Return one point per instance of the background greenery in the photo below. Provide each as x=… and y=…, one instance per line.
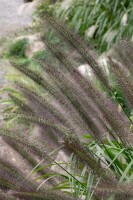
x=100, y=22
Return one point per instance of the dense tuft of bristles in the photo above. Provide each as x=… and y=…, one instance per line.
x=66, y=105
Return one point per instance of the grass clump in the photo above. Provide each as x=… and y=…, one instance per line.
x=75, y=117
x=17, y=48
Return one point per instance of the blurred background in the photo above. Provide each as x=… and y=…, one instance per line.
x=101, y=23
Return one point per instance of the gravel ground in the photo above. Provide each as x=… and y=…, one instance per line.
x=10, y=19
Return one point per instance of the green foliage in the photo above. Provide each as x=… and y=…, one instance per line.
x=75, y=181
x=17, y=48
x=40, y=55
x=115, y=157
x=44, y=6
x=102, y=23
